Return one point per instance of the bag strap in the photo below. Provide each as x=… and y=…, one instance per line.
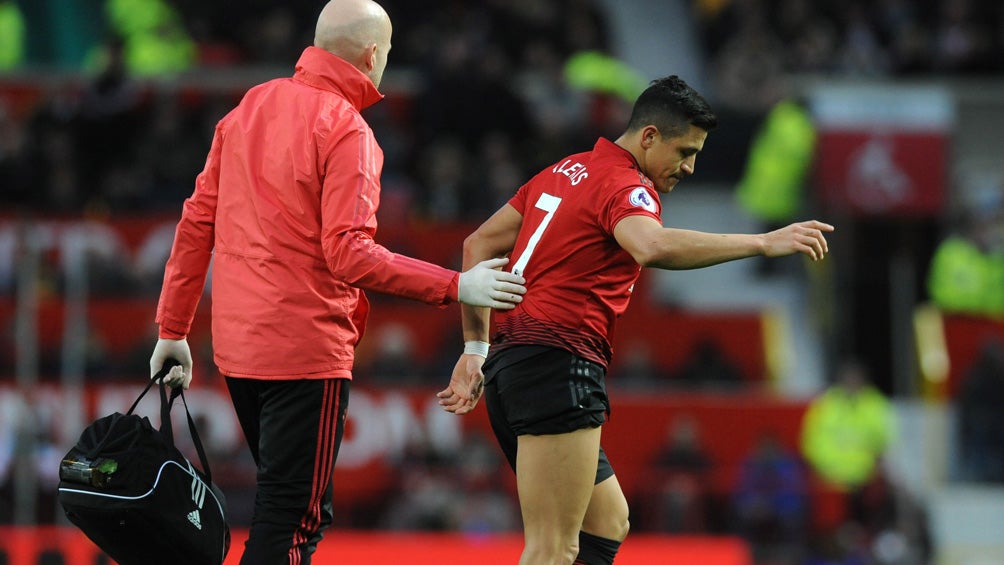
x=196, y=440
x=167, y=427
x=145, y=390
x=93, y=452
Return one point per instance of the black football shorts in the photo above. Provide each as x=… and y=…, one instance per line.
x=540, y=390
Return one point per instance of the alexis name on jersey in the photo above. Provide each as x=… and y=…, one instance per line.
x=576, y=172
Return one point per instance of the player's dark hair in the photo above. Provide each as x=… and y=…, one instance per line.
x=671, y=105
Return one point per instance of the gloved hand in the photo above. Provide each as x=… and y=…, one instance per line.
x=177, y=349
x=485, y=285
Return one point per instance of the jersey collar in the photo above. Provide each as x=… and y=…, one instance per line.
x=618, y=156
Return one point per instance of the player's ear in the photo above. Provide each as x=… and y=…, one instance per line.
x=649, y=135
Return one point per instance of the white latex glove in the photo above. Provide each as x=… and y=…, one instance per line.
x=178, y=350
x=485, y=285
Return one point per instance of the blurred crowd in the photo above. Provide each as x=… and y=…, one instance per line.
x=481, y=101
x=475, y=109
x=752, y=44
x=478, y=100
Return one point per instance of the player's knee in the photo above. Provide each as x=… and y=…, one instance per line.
x=613, y=524
x=617, y=528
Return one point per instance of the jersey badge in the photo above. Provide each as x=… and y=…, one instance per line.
x=640, y=198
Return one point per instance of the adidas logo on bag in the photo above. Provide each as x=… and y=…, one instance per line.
x=195, y=519
x=198, y=497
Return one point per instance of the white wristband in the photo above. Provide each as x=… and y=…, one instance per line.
x=476, y=348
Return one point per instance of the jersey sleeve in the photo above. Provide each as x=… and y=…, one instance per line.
x=518, y=201
x=630, y=200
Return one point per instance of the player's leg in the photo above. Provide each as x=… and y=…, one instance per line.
x=293, y=498
x=546, y=406
x=554, y=478
x=605, y=525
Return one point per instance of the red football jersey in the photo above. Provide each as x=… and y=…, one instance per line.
x=578, y=279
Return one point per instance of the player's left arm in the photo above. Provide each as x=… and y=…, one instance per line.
x=494, y=238
x=653, y=245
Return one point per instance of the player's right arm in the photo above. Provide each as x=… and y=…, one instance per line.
x=494, y=238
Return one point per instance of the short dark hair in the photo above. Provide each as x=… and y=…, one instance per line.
x=671, y=105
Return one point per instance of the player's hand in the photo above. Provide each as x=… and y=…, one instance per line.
x=485, y=284
x=466, y=385
x=177, y=349
x=801, y=237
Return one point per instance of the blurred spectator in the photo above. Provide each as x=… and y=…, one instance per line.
x=154, y=39
x=12, y=35
x=966, y=273
x=980, y=413
x=15, y=173
x=168, y=154
x=107, y=127
x=770, y=502
x=273, y=36
x=707, y=366
x=444, y=175
x=594, y=71
x=638, y=368
x=502, y=173
x=962, y=38
x=678, y=496
x=485, y=507
x=894, y=525
x=847, y=429
x=862, y=52
x=454, y=491
x=772, y=188
x=392, y=358
x=845, y=546
x=54, y=184
x=747, y=67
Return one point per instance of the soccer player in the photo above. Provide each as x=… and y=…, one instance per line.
x=286, y=207
x=579, y=232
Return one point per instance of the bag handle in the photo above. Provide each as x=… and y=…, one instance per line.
x=167, y=427
x=196, y=440
x=108, y=435
x=153, y=379
x=159, y=377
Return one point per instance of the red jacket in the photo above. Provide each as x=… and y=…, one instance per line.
x=286, y=207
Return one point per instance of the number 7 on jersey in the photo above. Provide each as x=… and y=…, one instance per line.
x=549, y=204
